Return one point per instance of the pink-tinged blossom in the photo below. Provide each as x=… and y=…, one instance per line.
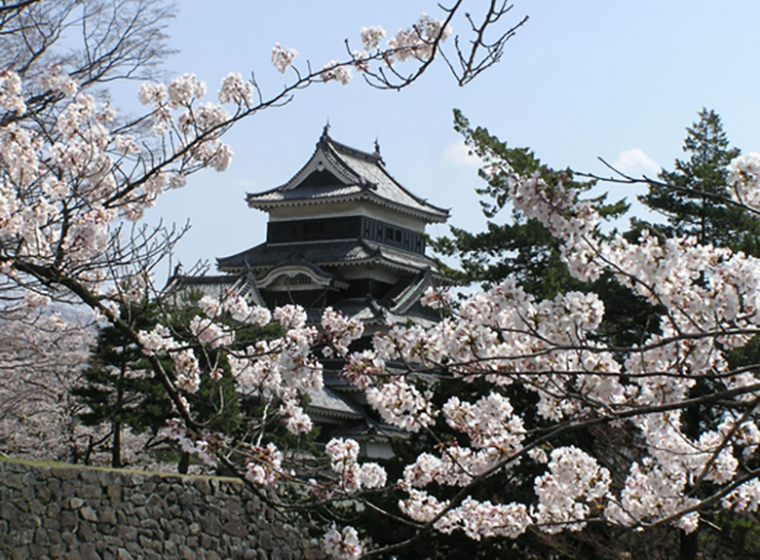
x=436, y=298
x=58, y=82
x=126, y=144
x=10, y=92
x=744, y=179
x=372, y=475
x=259, y=315
x=342, y=545
x=211, y=334
x=401, y=405
x=485, y=519
x=283, y=57
x=35, y=300
x=566, y=493
x=297, y=422
x=203, y=119
x=185, y=89
x=343, y=456
x=489, y=422
x=745, y=498
x=202, y=448
x=290, y=316
x=221, y=158
x=342, y=453
x=335, y=70
x=236, y=90
x=363, y=369
x=371, y=37
x=339, y=331
x=157, y=341
x=151, y=94
x=421, y=506
x=210, y=306
x=264, y=465
x=417, y=41
x=187, y=371
x=651, y=492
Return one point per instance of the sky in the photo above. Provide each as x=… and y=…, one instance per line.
x=581, y=80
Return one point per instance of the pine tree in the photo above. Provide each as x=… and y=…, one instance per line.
x=116, y=389
x=694, y=197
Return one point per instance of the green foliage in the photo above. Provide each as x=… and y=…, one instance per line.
x=525, y=250
x=118, y=389
x=522, y=248
x=694, y=197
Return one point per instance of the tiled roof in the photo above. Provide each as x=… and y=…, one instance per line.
x=217, y=286
x=326, y=253
x=351, y=174
x=327, y=402
x=366, y=428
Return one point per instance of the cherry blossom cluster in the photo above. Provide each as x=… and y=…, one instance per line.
x=342, y=544
x=744, y=178
x=264, y=465
x=196, y=126
x=337, y=71
x=507, y=336
x=418, y=42
x=339, y=332
x=354, y=477
x=203, y=448
x=283, y=57
x=11, y=96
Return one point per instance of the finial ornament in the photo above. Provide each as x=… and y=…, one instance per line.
x=377, y=147
x=326, y=130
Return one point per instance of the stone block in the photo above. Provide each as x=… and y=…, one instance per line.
x=68, y=520
x=86, y=532
x=211, y=525
x=76, y=503
x=20, y=553
x=88, y=514
x=63, y=473
x=265, y=540
x=108, y=516
x=113, y=491
x=9, y=511
x=236, y=528
x=126, y=533
x=87, y=552
x=138, y=499
x=208, y=542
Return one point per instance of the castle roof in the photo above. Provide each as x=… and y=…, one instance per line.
x=339, y=173
x=327, y=253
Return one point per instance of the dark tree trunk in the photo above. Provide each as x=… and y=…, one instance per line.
x=688, y=546
x=184, y=463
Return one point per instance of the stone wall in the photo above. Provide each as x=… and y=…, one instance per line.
x=103, y=514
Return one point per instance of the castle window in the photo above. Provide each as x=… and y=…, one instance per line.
x=298, y=280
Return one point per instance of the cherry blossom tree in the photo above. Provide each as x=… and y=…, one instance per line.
x=41, y=360
x=74, y=176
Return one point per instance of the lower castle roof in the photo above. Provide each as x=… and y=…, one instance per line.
x=327, y=253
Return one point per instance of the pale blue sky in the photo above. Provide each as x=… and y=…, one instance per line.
x=582, y=79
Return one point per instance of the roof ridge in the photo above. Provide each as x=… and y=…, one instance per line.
x=340, y=146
